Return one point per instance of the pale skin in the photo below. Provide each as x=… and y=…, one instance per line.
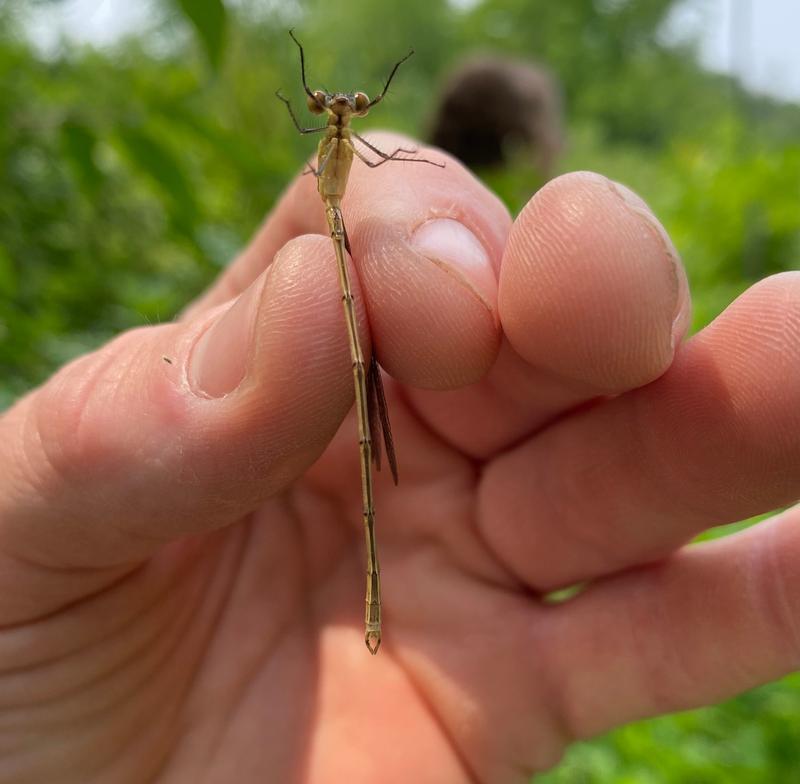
x=181, y=545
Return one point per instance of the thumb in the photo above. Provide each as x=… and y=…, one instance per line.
x=180, y=428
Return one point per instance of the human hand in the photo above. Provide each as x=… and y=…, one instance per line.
x=181, y=557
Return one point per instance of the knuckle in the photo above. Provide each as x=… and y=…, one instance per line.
x=75, y=417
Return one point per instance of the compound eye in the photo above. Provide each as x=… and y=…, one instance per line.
x=362, y=103
x=316, y=105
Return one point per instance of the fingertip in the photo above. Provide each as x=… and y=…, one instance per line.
x=298, y=372
x=428, y=242
x=432, y=303
x=591, y=287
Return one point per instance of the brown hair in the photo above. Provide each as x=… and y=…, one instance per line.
x=490, y=105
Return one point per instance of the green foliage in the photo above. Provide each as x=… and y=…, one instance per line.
x=749, y=740
x=209, y=19
x=129, y=177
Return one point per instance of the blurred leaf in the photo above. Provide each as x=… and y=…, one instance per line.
x=79, y=142
x=209, y=19
x=161, y=167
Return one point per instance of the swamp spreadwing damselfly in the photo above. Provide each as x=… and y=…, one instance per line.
x=334, y=159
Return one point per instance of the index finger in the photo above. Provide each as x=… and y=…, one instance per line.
x=427, y=243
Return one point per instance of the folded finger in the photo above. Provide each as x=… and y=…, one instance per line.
x=630, y=479
x=710, y=622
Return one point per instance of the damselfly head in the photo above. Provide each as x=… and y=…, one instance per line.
x=340, y=104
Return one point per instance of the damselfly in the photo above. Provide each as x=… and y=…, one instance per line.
x=334, y=159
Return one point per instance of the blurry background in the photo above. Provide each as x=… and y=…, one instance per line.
x=141, y=144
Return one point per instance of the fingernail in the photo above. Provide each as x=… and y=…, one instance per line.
x=453, y=247
x=218, y=362
x=682, y=310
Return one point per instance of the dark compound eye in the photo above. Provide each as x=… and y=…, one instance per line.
x=361, y=103
x=316, y=105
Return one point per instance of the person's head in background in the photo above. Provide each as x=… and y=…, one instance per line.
x=491, y=110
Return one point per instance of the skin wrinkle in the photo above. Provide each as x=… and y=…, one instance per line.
x=497, y=575
x=470, y=774
x=499, y=389
x=395, y=676
x=657, y=456
x=769, y=586
x=160, y=609
x=113, y=754
x=216, y=762
x=486, y=511
x=180, y=637
x=111, y=605
x=29, y=455
x=303, y=541
x=397, y=395
x=492, y=572
x=645, y=450
x=133, y=657
x=492, y=576
x=245, y=677
x=20, y=626
x=589, y=539
x=697, y=668
x=185, y=624
x=535, y=639
x=462, y=723
x=214, y=621
x=448, y=731
x=555, y=693
x=739, y=399
x=37, y=425
x=672, y=664
x=62, y=465
x=340, y=509
x=574, y=711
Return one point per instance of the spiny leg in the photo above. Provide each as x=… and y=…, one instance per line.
x=371, y=164
x=393, y=157
x=318, y=172
x=378, y=151
x=297, y=125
